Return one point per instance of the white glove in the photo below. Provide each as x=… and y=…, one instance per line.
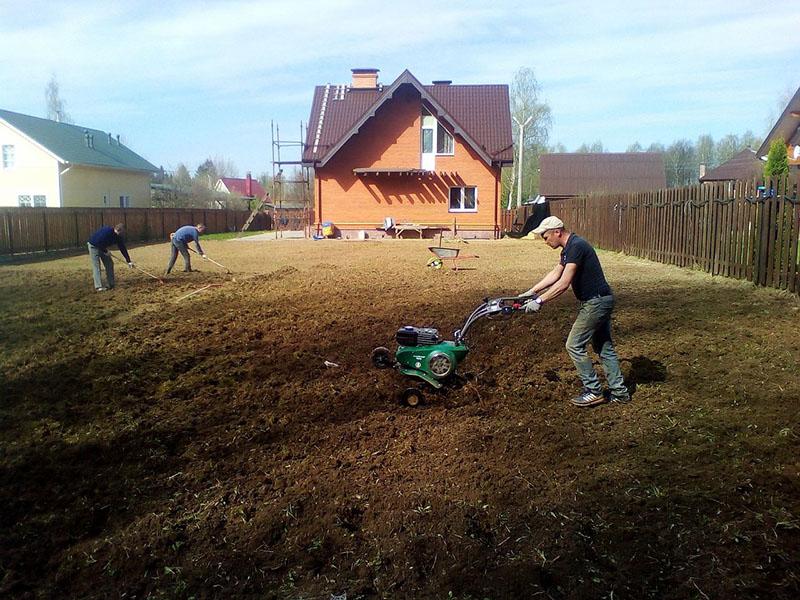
x=130, y=265
x=533, y=306
x=204, y=256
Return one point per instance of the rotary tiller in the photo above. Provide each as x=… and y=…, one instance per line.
x=421, y=353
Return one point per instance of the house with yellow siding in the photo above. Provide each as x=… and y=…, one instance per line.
x=50, y=164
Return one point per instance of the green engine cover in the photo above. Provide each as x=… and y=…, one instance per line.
x=432, y=364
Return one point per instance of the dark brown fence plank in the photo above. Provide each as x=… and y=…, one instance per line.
x=725, y=228
x=24, y=230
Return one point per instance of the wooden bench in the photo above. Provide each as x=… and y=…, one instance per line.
x=401, y=228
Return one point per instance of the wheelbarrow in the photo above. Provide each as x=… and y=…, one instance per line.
x=441, y=254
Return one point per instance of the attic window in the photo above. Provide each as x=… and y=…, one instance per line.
x=434, y=135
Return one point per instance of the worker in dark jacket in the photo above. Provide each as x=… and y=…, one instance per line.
x=98, y=245
x=180, y=243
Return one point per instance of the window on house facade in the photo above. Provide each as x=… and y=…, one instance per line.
x=427, y=140
x=463, y=199
x=8, y=156
x=24, y=200
x=444, y=141
x=124, y=201
x=40, y=201
x=434, y=135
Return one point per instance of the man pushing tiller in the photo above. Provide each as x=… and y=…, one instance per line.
x=580, y=268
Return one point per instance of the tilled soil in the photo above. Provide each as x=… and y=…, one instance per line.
x=159, y=445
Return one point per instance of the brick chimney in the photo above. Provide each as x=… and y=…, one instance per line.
x=248, y=186
x=366, y=79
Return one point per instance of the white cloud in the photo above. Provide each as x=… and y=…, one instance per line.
x=179, y=76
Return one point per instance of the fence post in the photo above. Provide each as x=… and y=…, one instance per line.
x=10, y=230
x=44, y=227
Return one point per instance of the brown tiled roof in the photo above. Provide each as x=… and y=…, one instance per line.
x=744, y=165
x=479, y=113
x=787, y=126
x=564, y=175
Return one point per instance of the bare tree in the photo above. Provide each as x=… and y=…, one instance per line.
x=225, y=167
x=527, y=107
x=706, y=151
x=594, y=147
x=681, y=164
x=55, y=105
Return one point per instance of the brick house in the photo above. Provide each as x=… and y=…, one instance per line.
x=428, y=156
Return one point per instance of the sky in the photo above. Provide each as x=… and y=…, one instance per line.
x=183, y=80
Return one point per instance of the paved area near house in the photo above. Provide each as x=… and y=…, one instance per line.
x=272, y=236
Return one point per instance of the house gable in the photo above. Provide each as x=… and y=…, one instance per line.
x=787, y=128
x=61, y=165
x=478, y=113
x=73, y=144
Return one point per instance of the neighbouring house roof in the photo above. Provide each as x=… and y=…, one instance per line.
x=478, y=113
x=787, y=127
x=563, y=175
x=744, y=165
x=234, y=185
x=68, y=143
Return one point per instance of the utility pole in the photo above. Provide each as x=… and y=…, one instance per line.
x=519, y=166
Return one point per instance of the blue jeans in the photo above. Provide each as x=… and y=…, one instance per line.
x=183, y=248
x=96, y=255
x=593, y=324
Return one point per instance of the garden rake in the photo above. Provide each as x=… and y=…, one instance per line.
x=227, y=270
x=135, y=266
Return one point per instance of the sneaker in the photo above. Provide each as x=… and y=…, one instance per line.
x=621, y=398
x=101, y=289
x=587, y=399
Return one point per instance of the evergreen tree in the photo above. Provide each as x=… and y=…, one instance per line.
x=777, y=160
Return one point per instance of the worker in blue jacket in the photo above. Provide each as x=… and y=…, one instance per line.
x=180, y=243
x=98, y=245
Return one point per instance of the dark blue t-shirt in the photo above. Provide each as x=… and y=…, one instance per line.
x=589, y=281
x=105, y=237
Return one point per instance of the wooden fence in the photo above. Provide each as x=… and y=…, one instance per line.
x=24, y=230
x=742, y=229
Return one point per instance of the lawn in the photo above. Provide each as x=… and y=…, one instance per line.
x=159, y=443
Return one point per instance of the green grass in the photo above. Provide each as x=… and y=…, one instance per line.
x=231, y=235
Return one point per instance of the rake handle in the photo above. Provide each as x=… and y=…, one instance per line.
x=138, y=268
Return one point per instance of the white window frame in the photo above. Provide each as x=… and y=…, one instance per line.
x=440, y=127
x=39, y=201
x=8, y=152
x=461, y=208
x=25, y=200
x=435, y=136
